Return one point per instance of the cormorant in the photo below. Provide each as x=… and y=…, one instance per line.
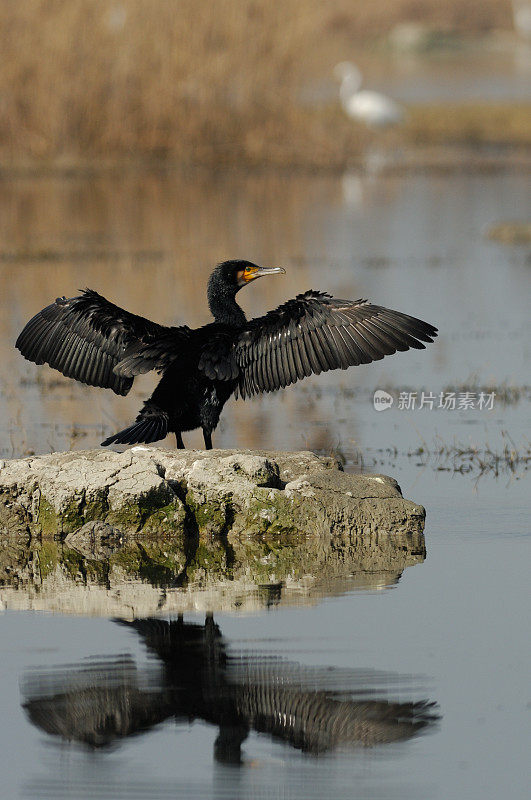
x=93, y=341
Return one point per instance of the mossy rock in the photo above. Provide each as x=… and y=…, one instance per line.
x=222, y=495
x=210, y=516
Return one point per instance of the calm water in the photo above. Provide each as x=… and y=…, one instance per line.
x=451, y=633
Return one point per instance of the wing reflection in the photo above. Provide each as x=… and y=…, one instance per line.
x=94, y=703
x=312, y=709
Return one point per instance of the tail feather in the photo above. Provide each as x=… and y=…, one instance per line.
x=151, y=426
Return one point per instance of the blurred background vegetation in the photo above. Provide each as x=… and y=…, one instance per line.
x=221, y=81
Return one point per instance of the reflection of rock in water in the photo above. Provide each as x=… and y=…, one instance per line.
x=351, y=531
x=144, y=579
x=313, y=709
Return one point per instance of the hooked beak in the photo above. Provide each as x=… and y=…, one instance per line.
x=259, y=272
x=252, y=272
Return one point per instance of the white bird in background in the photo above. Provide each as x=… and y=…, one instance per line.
x=522, y=18
x=373, y=108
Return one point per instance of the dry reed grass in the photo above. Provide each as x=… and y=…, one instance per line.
x=207, y=82
x=476, y=460
x=470, y=124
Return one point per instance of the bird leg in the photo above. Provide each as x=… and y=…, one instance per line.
x=180, y=443
x=207, y=436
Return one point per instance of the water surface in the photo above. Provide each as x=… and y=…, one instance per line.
x=450, y=632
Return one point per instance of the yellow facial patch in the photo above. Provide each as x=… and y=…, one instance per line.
x=249, y=273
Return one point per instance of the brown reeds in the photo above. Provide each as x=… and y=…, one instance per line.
x=470, y=124
x=209, y=81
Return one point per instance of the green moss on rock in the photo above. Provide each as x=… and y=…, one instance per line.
x=127, y=517
x=96, y=507
x=48, y=558
x=69, y=519
x=47, y=519
x=210, y=516
x=72, y=517
x=167, y=519
x=272, y=515
x=150, y=514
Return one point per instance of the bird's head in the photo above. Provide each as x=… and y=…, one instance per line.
x=227, y=279
x=347, y=73
x=233, y=275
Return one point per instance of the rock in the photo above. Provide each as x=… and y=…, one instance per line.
x=112, y=533
x=156, y=492
x=57, y=493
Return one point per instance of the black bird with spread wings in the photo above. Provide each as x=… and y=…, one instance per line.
x=93, y=341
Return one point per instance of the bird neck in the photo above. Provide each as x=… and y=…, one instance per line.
x=351, y=84
x=223, y=305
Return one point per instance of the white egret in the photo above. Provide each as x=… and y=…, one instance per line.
x=373, y=108
x=522, y=18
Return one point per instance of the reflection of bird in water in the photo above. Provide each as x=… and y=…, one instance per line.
x=201, y=680
x=90, y=339
x=373, y=108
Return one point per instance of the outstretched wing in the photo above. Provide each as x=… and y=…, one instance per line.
x=315, y=333
x=85, y=338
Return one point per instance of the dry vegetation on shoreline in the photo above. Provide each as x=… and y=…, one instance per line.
x=208, y=83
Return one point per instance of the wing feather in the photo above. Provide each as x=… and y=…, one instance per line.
x=292, y=370
x=297, y=357
x=86, y=337
x=279, y=364
x=358, y=350
x=274, y=374
x=325, y=346
x=310, y=347
x=393, y=338
x=343, y=359
x=315, y=333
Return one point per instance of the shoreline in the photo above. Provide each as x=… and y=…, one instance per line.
x=406, y=160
